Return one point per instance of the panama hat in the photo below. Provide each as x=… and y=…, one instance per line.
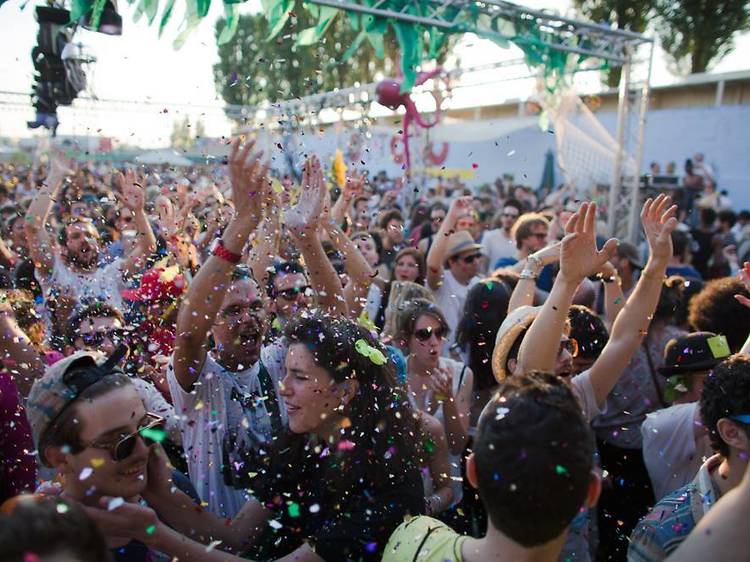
x=513, y=326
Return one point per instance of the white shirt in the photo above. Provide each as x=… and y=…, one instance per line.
x=104, y=284
x=155, y=403
x=496, y=245
x=450, y=298
x=670, y=451
x=584, y=392
x=225, y=412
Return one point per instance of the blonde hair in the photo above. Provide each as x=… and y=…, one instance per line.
x=401, y=294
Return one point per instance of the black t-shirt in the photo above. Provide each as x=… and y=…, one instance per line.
x=344, y=507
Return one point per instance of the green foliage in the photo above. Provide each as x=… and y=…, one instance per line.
x=701, y=30
x=253, y=68
x=632, y=15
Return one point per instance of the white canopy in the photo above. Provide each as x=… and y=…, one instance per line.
x=166, y=156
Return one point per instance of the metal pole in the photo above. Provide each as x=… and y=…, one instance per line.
x=622, y=112
x=633, y=225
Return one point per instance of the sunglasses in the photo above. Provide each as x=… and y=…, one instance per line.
x=570, y=345
x=151, y=432
x=97, y=338
x=424, y=334
x=294, y=292
x=470, y=259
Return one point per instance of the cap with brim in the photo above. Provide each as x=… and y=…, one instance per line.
x=460, y=241
x=514, y=324
x=50, y=395
x=627, y=250
x=694, y=353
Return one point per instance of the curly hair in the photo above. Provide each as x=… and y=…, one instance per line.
x=726, y=393
x=716, y=310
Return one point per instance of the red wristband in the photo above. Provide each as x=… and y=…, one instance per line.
x=221, y=252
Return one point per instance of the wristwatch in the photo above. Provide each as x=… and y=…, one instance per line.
x=219, y=250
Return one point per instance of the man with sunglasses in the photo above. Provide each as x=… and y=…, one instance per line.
x=90, y=424
x=725, y=411
x=452, y=266
x=289, y=291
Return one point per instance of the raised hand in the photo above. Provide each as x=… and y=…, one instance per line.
x=131, y=190
x=310, y=208
x=59, y=166
x=659, y=220
x=460, y=206
x=249, y=180
x=579, y=257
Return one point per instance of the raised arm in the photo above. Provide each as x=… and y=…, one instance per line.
x=352, y=189
x=614, y=298
x=529, y=269
x=578, y=259
x=305, y=222
x=132, y=196
x=436, y=256
x=206, y=292
x=361, y=275
x=658, y=220
x=43, y=247
x=266, y=241
x=17, y=352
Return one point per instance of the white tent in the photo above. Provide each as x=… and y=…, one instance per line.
x=166, y=156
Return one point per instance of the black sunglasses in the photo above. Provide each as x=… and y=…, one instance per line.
x=470, y=259
x=96, y=339
x=151, y=432
x=293, y=293
x=424, y=334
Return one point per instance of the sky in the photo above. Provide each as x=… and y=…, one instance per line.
x=139, y=66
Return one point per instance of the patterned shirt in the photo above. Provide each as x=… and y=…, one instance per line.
x=670, y=521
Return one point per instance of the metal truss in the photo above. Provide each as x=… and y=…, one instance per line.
x=562, y=34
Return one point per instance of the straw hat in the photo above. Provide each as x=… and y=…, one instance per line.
x=458, y=242
x=514, y=324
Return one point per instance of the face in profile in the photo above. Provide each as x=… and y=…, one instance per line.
x=309, y=392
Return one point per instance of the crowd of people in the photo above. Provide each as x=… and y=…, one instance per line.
x=222, y=364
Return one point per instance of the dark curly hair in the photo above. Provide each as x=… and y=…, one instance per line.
x=588, y=330
x=716, y=310
x=726, y=393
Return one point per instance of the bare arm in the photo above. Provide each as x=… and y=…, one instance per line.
x=17, y=352
x=436, y=255
x=632, y=323
x=131, y=195
x=525, y=290
x=43, y=247
x=206, y=292
x=439, y=465
x=306, y=234
x=456, y=409
x=578, y=259
x=266, y=243
x=360, y=273
x=614, y=299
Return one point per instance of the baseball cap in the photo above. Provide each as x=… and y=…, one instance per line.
x=57, y=389
x=696, y=352
x=629, y=251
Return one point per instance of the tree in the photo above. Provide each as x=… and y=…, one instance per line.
x=702, y=30
x=252, y=70
x=632, y=15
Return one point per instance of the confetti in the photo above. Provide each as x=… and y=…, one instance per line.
x=114, y=503
x=293, y=509
x=155, y=435
x=97, y=462
x=85, y=473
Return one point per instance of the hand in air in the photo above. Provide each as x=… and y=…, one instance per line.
x=659, y=220
x=579, y=257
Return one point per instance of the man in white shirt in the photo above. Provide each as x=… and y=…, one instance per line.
x=675, y=441
x=499, y=242
x=452, y=265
